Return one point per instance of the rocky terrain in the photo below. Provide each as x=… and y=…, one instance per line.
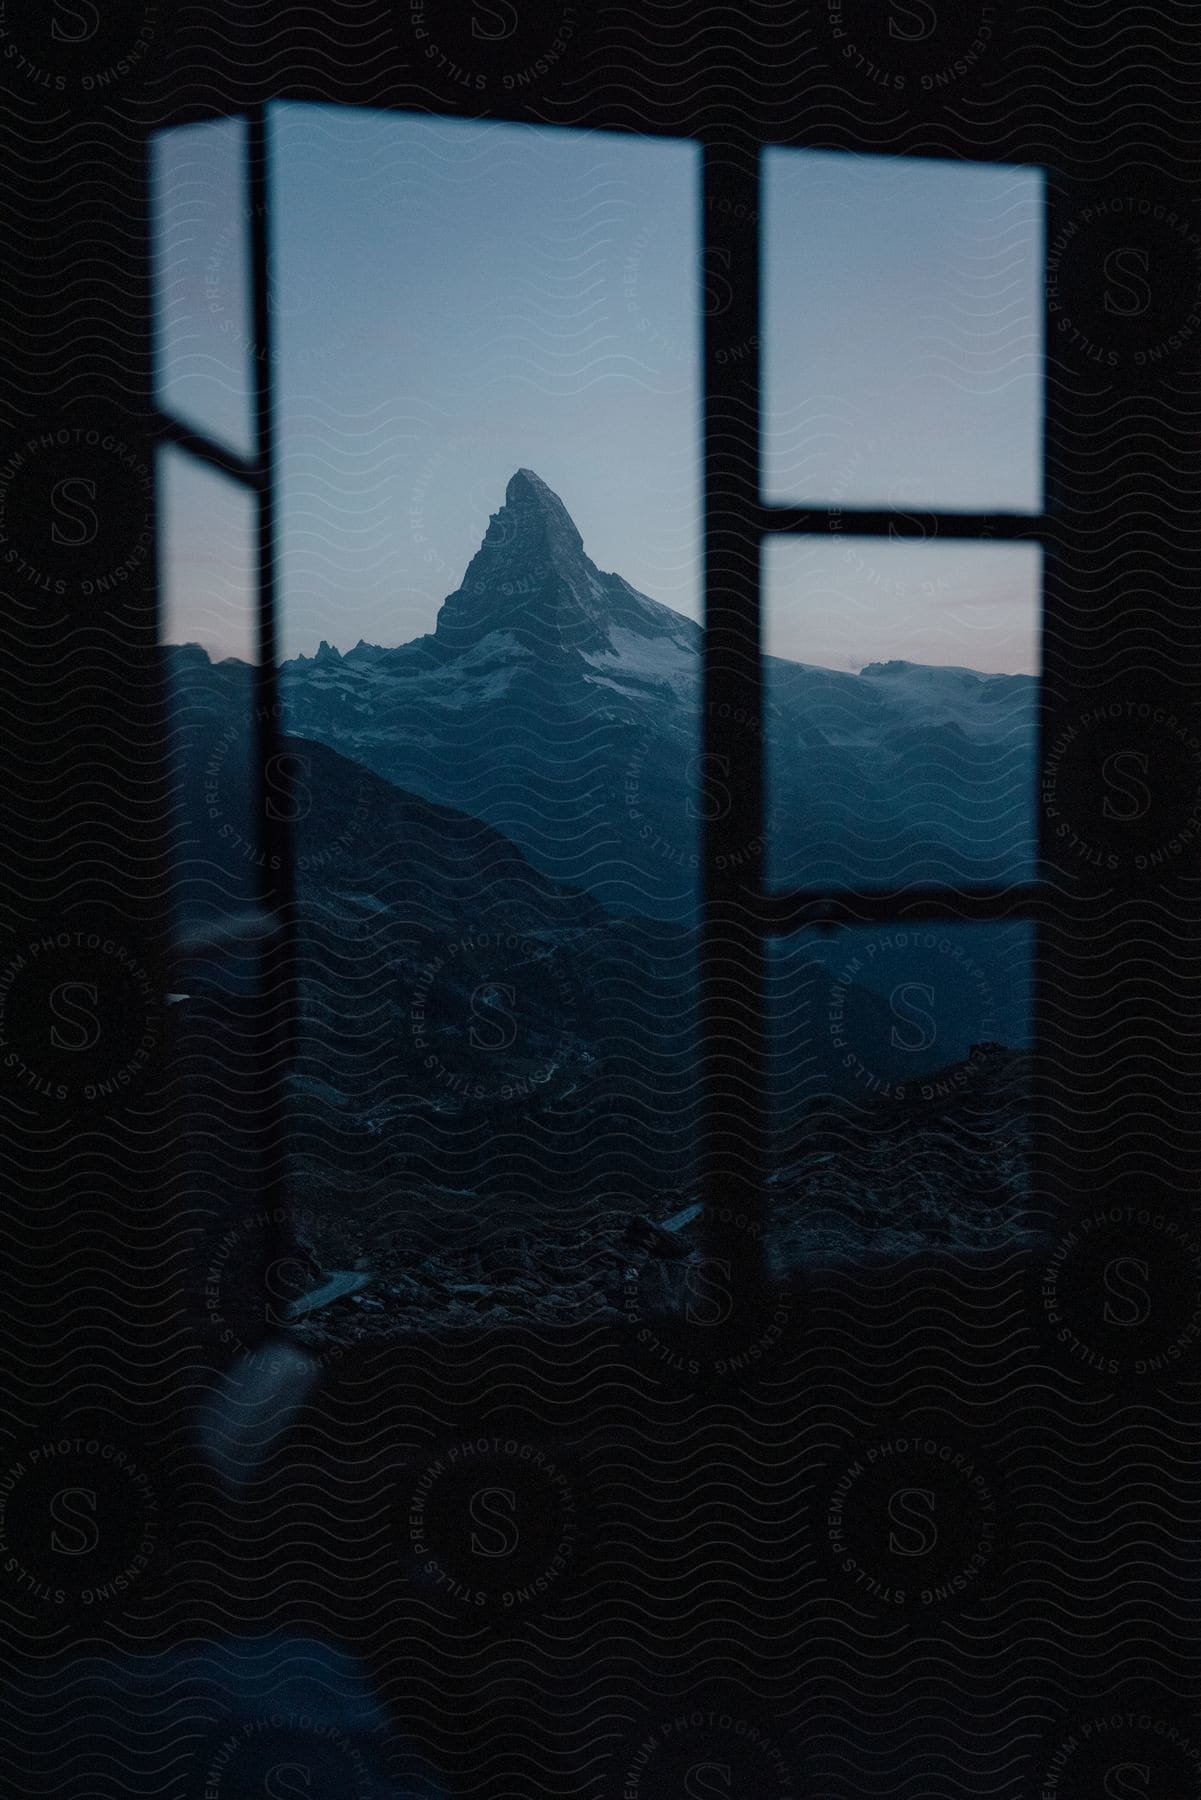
x=883, y=1181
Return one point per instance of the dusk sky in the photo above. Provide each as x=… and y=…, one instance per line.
x=454, y=300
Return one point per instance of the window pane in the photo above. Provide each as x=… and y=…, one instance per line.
x=452, y=351
x=903, y=313
x=209, y=591
x=221, y=938
x=902, y=711
x=209, y=632
x=487, y=366
x=204, y=336
x=900, y=1088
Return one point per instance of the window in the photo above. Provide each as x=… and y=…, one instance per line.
x=821, y=808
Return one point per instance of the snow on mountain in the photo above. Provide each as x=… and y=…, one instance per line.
x=636, y=662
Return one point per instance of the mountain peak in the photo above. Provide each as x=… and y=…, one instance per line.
x=526, y=485
x=530, y=507
x=530, y=578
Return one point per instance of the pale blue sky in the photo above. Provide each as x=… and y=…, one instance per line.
x=454, y=300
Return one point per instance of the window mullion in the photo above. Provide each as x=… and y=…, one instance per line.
x=844, y=521
x=194, y=443
x=732, y=985
x=277, y=998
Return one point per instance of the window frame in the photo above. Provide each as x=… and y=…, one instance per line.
x=740, y=914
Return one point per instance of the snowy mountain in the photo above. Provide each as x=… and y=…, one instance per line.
x=530, y=579
x=562, y=706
